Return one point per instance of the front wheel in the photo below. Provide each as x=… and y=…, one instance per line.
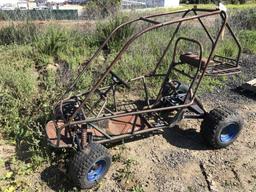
x=88, y=167
x=221, y=127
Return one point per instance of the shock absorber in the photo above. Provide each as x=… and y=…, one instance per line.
x=84, y=142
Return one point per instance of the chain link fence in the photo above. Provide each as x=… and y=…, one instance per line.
x=38, y=15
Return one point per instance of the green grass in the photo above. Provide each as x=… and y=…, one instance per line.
x=105, y=27
x=31, y=77
x=248, y=40
x=19, y=34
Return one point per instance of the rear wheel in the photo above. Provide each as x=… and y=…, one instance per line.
x=88, y=167
x=221, y=127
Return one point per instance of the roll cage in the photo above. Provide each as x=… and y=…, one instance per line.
x=82, y=130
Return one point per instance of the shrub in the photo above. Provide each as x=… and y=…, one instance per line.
x=96, y=9
x=19, y=34
x=225, y=1
x=18, y=83
x=103, y=30
x=52, y=41
x=63, y=45
x=248, y=41
x=243, y=19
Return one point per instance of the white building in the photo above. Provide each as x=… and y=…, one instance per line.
x=171, y=3
x=77, y=1
x=4, y=2
x=56, y=1
x=13, y=4
x=150, y=3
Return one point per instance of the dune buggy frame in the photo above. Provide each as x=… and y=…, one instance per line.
x=218, y=66
x=83, y=126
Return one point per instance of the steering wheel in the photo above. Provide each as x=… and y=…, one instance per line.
x=172, y=87
x=117, y=79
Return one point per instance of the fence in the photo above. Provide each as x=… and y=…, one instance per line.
x=38, y=14
x=142, y=3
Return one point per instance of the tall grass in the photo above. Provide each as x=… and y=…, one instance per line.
x=34, y=68
x=248, y=40
x=19, y=34
x=244, y=19
x=105, y=27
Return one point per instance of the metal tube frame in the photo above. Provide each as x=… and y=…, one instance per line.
x=189, y=98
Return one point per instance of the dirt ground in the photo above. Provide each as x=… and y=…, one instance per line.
x=178, y=159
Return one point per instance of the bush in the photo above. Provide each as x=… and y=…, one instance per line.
x=63, y=45
x=96, y=9
x=104, y=28
x=19, y=34
x=19, y=88
x=52, y=41
x=248, y=41
x=32, y=75
x=243, y=19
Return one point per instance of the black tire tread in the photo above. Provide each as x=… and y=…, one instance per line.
x=209, y=126
x=82, y=162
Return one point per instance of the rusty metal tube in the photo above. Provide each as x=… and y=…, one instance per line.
x=125, y=47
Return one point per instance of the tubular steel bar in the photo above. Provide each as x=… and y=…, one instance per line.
x=149, y=20
x=237, y=43
x=87, y=62
x=173, y=64
x=170, y=42
x=205, y=10
x=224, y=17
x=169, y=13
x=198, y=68
x=119, y=137
x=121, y=114
x=149, y=112
x=125, y=47
x=205, y=29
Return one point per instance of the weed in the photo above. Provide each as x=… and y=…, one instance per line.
x=104, y=28
x=52, y=41
x=248, y=40
x=101, y=9
x=19, y=34
x=15, y=178
x=244, y=18
x=125, y=176
x=118, y=156
x=137, y=188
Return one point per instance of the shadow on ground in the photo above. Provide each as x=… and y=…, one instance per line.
x=245, y=93
x=56, y=179
x=185, y=138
